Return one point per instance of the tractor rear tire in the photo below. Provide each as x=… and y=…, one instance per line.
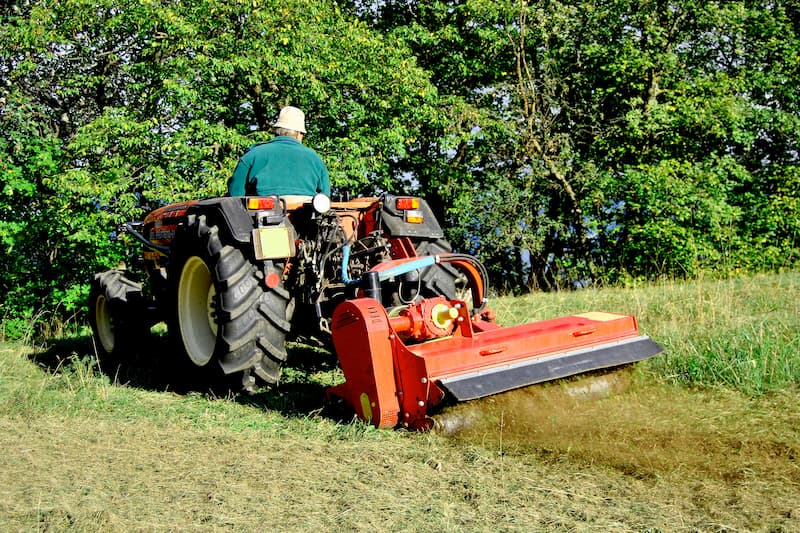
x=223, y=312
x=116, y=312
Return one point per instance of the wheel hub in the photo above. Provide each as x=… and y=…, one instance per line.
x=105, y=327
x=196, y=311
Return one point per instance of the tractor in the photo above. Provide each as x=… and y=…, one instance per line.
x=371, y=278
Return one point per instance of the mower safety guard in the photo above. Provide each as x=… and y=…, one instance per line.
x=397, y=369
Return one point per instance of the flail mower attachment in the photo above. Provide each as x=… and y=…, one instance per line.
x=399, y=368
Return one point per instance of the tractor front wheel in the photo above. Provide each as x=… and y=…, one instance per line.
x=116, y=311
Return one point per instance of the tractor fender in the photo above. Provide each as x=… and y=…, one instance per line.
x=395, y=222
x=230, y=214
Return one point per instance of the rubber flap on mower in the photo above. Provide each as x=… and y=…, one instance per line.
x=548, y=368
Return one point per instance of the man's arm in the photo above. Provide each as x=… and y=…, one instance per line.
x=324, y=184
x=238, y=180
x=323, y=180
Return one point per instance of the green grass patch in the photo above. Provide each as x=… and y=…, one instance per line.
x=737, y=333
x=76, y=386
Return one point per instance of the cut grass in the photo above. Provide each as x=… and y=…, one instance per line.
x=84, y=452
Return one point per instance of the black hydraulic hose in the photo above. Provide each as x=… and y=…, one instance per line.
x=481, y=270
x=141, y=238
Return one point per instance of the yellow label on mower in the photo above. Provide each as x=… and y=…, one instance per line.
x=366, y=406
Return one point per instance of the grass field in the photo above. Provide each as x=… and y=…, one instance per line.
x=705, y=437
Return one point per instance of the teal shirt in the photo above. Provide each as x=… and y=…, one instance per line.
x=280, y=166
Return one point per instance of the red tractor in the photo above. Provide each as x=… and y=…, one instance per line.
x=371, y=278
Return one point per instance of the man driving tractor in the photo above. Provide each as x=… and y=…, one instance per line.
x=282, y=165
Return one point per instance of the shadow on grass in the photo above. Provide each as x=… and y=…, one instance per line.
x=156, y=365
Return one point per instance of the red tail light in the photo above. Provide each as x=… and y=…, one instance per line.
x=261, y=204
x=405, y=203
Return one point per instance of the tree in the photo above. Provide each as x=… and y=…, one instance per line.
x=630, y=137
x=696, y=161
x=562, y=142
x=113, y=108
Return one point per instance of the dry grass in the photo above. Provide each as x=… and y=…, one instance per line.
x=97, y=457
x=714, y=452
x=88, y=474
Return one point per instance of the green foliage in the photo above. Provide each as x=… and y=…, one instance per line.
x=693, y=153
x=562, y=143
x=110, y=110
x=639, y=138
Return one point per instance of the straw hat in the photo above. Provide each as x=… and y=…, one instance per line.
x=291, y=118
